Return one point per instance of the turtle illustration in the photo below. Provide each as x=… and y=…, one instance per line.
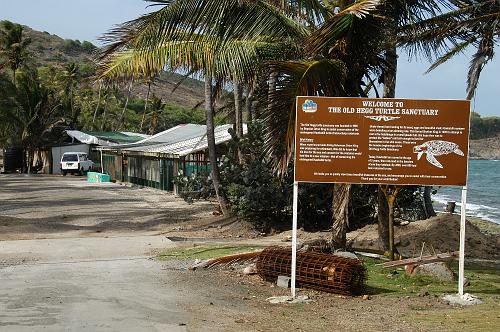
x=436, y=148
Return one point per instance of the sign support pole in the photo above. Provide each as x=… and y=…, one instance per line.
x=462, y=243
x=294, y=236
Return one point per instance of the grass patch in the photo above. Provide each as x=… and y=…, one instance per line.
x=484, y=281
x=204, y=252
x=484, y=317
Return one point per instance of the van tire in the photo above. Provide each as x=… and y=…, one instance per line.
x=64, y=173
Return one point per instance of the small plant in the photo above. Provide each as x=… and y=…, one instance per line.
x=196, y=186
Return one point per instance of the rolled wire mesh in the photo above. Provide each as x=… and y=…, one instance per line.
x=325, y=272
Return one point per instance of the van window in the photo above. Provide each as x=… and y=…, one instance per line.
x=70, y=157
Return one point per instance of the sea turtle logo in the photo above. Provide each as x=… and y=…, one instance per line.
x=431, y=149
x=309, y=106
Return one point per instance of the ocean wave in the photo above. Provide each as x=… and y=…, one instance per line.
x=482, y=211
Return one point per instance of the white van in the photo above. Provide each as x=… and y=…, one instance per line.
x=75, y=162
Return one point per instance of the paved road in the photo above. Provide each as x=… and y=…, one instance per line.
x=87, y=284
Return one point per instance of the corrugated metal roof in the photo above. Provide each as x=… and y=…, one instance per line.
x=105, y=138
x=179, y=141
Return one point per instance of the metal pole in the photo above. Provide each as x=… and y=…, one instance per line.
x=102, y=165
x=462, y=243
x=294, y=235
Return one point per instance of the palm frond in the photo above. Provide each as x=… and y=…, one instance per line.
x=454, y=51
x=222, y=20
x=238, y=58
x=481, y=57
x=339, y=25
x=296, y=78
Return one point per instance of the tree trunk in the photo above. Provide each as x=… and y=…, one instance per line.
x=429, y=209
x=249, y=104
x=129, y=91
x=391, y=192
x=209, y=108
x=97, y=106
x=255, y=109
x=238, y=107
x=145, y=106
x=104, y=113
x=384, y=229
x=340, y=204
x=383, y=219
x=391, y=57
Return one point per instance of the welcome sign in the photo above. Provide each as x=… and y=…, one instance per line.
x=382, y=141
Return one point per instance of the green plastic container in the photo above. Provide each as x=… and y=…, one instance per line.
x=95, y=177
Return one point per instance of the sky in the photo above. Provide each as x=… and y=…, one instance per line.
x=88, y=19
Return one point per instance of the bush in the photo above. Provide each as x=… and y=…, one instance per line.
x=253, y=190
x=195, y=186
x=87, y=46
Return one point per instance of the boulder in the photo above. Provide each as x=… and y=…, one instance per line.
x=439, y=270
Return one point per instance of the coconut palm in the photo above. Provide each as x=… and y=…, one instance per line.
x=215, y=39
x=472, y=23
x=13, y=45
x=29, y=112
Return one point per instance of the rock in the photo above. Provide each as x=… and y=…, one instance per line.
x=250, y=269
x=366, y=297
x=466, y=299
x=439, y=270
x=287, y=239
x=346, y=254
x=404, y=223
x=283, y=281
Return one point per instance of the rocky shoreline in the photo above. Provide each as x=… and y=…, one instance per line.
x=486, y=148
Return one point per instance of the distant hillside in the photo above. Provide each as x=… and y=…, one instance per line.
x=48, y=49
x=52, y=50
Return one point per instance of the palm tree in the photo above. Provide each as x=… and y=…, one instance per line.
x=70, y=79
x=156, y=109
x=472, y=23
x=149, y=81
x=219, y=40
x=30, y=111
x=13, y=45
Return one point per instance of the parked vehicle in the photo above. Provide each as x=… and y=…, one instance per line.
x=75, y=162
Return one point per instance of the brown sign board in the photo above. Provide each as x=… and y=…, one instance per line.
x=383, y=141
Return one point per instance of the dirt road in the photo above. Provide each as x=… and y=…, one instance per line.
x=53, y=207
x=77, y=257
x=85, y=285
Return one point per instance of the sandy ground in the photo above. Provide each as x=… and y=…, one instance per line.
x=46, y=207
x=75, y=256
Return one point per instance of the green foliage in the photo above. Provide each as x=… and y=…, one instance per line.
x=252, y=188
x=73, y=46
x=88, y=47
x=30, y=112
x=195, y=186
x=13, y=45
x=484, y=127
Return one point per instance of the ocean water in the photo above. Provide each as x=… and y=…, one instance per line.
x=483, y=191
